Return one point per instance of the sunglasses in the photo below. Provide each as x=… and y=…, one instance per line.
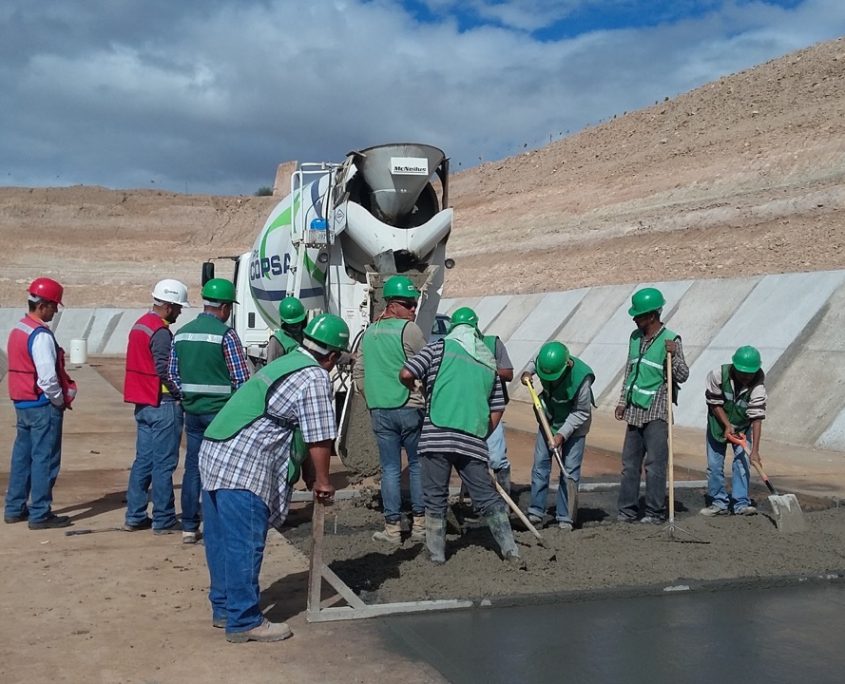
x=406, y=304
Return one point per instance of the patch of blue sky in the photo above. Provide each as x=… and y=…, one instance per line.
x=553, y=20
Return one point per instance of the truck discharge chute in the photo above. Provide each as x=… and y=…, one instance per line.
x=345, y=228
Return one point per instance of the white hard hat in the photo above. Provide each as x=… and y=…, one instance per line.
x=172, y=291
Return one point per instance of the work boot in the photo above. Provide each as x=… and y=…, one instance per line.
x=500, y=527
x=52, y=520
x=391, y=534
x=713, y=510
x=503, y=477
x=418, y=529
x=435, y=539
x=266, y=631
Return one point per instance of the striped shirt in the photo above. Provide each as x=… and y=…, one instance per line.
x=424, y=366
x=256, y=458
x=756, y=399
x=233, y=353
x=636, y=416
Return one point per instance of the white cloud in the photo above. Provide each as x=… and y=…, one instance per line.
x=211, y=95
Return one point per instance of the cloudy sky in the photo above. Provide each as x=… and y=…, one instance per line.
x=210, y=95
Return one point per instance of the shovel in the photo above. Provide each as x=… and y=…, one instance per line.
x=788, y=514
x=571, y=485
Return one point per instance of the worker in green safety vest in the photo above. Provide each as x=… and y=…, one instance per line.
x=207, y=364
x=567, y=398
x=282, y=420
x=736, y=406
x=643, y=405
x=396, y=411
x=289, y=336
x=464, y=404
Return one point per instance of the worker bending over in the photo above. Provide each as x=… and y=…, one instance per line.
x=567, y=398
x=736, y=407
x=280, y=421
x=464, y=405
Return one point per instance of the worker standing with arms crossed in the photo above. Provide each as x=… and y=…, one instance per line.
x=207, y=364
x=464, y=403
x=289, y=336
x=282, y=419
x=568, y=399
x=642, y=404
x=41, y=390
x=736, y=406
x=158, y=413
x=396, y=411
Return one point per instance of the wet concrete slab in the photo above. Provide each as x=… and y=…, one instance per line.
x=773, y=635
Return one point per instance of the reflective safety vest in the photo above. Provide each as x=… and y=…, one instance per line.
x=735, y=406
x=559, y=397
x=250, y=403
x=141, y=383
x=648, y=371
x=204, y=374
x=384, y=356
x=23, y=376
x=287, y=343
x=461, y=392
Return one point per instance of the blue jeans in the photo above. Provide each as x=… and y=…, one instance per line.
x=195, y=425
x=573, y=456
x=156, y=457
x=36, y=459
x=716, y=474
x=236, y=523
x=394, y=429
x=498, y=449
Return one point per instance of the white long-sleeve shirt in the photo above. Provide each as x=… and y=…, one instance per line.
x=44, y=358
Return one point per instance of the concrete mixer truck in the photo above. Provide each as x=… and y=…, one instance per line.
x=344, y=229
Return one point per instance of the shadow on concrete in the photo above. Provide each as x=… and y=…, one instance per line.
x=365, y=574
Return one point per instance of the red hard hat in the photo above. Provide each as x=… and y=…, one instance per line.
x=46, y=288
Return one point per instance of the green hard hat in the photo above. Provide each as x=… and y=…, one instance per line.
x=291, y=311
x=464, y=316
x=552, y=361
x=219, y=290
x=328, y=330
x=746, y=360
x=645, y=301
x=400, y=287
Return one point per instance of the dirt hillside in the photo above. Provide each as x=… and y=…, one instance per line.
x=742, y=176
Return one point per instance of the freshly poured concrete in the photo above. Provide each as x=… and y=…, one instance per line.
x=773, y=636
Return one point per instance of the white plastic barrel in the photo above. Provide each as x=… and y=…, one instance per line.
x=78, y=351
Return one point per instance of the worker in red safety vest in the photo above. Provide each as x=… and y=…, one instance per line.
x=158, y=412
x=41, y=390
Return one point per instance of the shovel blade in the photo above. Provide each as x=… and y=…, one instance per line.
x=788, y=514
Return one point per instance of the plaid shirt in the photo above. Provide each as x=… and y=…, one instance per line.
x=636, y=416
x=256, y=458
x=233, y=352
